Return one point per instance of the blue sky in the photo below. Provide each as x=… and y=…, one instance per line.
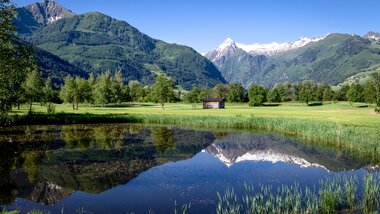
x=204, y=24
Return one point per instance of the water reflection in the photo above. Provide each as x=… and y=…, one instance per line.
x=52, y=165
x=85, y=158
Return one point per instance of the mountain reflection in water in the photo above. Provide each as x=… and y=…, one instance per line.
x=54, y=164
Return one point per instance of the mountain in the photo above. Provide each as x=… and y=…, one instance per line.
x=34, y=16
x=95, y=43
x=372, y=36
x=276, y=48
x=52, y=65
x=332, y=59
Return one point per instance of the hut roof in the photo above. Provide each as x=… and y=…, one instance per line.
x=213, y=100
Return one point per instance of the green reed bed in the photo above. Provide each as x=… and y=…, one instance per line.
x=340, y=194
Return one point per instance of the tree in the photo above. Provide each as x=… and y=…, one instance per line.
x=103, y=89
x=375, y=79
x=15, y=61
x=91, y=83
x=68, y=91
x=307, y=89
x=369, y=92
x=205, y=93
x=235, y=93
x=257, y=95
x=49, y=95
x=328, y=94
x=83, y=91
x=118, y=89
x=220, y=91
x=162, y=90
x=274, y=95
x=341, y=93
x=33, y=88
x=320, y=91
x=192, y=96
x=48, y=91
x=136, y=91
x=355, y=93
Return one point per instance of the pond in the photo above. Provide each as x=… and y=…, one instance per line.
x=129, y=168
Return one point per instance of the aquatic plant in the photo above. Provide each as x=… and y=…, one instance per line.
x=338, y=194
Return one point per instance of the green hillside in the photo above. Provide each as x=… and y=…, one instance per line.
x=95, y=43
x=53, y=66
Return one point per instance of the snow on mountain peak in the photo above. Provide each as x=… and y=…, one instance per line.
x=373, y=36
x=226, y=44
x=274, y=48
x=225, y=50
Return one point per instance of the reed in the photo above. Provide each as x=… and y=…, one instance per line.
x=339, y=194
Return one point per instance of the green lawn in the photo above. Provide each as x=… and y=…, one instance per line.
x=342, y=113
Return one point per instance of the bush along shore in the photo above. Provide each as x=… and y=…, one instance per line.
x=348, y=138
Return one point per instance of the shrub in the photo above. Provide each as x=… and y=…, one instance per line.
x=50, y=108
x=315, y=104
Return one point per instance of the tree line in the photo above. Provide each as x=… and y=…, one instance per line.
x=308, y=91
x=111, y=89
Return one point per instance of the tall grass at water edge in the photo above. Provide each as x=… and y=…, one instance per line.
x=337, y=195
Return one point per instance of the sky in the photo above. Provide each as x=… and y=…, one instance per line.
x=204, y=24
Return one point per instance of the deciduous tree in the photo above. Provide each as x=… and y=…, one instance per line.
x=235, y=93
x=103, y=89
x=162, y=90
x=257, y=95
x=33, y=88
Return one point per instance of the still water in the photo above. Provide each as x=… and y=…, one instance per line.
x=124, y=168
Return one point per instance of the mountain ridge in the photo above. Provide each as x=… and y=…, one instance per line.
x=332, y=59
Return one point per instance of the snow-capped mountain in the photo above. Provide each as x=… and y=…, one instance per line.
x=229, y=47
x=276, y=48
x=373, y=36
x=274, y=63
x=225, y=50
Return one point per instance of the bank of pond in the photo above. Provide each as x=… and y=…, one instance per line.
x=136, y=168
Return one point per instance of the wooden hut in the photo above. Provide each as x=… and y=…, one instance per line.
x=213, y=103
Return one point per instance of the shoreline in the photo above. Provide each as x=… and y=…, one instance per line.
x=349, y=138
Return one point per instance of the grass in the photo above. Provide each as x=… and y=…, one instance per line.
x=339, y=125
x=337, y=195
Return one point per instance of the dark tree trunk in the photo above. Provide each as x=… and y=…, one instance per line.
x=30, y=106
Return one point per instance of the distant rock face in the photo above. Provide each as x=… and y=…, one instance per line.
x=373, y=36
x=331, y=58
x=229, y=47
x=48, y=11
x=225, y=50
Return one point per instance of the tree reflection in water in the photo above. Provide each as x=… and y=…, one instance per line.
x=162, y=138
x=47, y=163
